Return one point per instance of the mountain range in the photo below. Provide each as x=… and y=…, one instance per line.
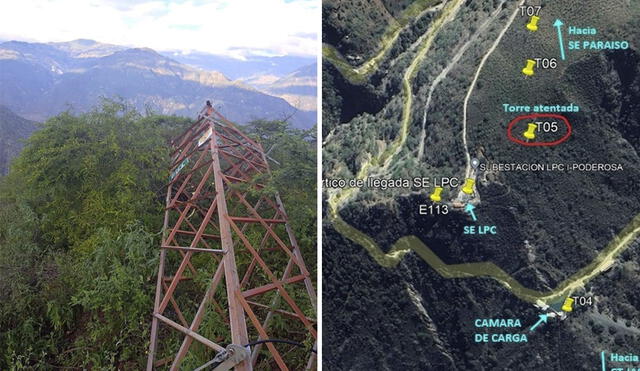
x=39, y=80
x=241, y=69
x=298, y=88
x=291, y=78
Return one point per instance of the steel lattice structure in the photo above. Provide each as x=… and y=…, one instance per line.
x=222, y=223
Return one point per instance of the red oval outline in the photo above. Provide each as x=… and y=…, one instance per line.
x=538, y=144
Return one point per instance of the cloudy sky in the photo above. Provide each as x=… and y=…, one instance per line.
x=237, y=28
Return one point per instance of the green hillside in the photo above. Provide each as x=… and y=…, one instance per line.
x=13, y=130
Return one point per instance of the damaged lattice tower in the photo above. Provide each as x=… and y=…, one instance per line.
x=229, y=261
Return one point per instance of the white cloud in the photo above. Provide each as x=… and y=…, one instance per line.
x=227, y=27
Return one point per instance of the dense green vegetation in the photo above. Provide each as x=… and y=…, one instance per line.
x=80, y=221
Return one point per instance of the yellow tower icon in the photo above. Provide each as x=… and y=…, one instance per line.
x=528, y=69
x=533, y=23
x=436, y=195
x=568, y=305
x=468, y=186
x=530, y=133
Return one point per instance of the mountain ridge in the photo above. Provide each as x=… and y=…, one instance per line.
x=39, y=80
x=299, y=87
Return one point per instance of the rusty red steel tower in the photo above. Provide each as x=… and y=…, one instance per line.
x=229, y=252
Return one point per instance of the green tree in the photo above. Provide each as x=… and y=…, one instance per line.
x=80, y=213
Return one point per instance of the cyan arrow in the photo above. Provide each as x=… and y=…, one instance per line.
x=543, y=318
x=469, y=210
x=558, y=24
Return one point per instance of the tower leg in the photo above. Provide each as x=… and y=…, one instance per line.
x=156, y=305
x=236, y=312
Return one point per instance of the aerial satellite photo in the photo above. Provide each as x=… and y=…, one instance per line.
x=481, y=208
